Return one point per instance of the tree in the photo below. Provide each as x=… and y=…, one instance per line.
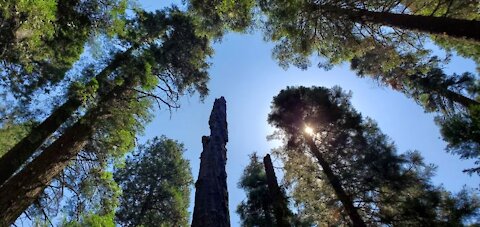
x=41, y=40
x=462, y=132
x=338, y=31
x=217, y=17
x=454, y=97
x=174, y=63
x=156, y=184
x=11, y=133
x=420, y=79
x=280, y=203
x=454, y=9
x=258, y=209
x=153, y=27
x=360, y=32
x=344, y=166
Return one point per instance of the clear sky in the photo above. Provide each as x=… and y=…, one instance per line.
x=244, y=72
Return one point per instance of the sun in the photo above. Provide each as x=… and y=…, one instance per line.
x=308, y=130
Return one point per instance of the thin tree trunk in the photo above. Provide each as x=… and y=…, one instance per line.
x=457, y=28
x=279, y=202
x=17, y=194
x=336, y=185
x=11, y=161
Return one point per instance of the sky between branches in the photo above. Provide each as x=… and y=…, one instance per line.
x=244, y=72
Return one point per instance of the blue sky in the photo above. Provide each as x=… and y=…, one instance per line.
x=244, y=72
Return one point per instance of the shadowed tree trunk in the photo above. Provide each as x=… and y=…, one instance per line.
x=457, y=28
x=11, y=161
x=347, y=202
x=279, y=201
x=211, y=195
x=460, y=99
x=22, y=189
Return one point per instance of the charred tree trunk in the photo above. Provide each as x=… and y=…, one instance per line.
x=211, y=195
x=11, y=161
x=457, y=28
x=22, y=189
x=279, y=201
x=347, y=202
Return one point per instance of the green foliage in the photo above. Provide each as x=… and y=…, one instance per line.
x=84, y=92
x=387, y=188
x=41, y=40
x=305, y=28
x=460, y=9
x=462, y=132
x=156, y=184
x=257, y=209
x=11, y=133
x=419, y=78
x=93, y=220
x=167, y=60
x=453, y=96
x=216, y=17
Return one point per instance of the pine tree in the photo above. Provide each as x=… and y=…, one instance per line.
x=41, y=40
x=345, y=171
x=175, y=62
x=259, y=208
x=155, y=186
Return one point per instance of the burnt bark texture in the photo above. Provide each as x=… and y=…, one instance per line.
x=18, y=193
x=279, y=201
x=211, y=195
x=344, y=198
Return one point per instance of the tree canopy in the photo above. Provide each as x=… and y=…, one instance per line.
x=80, y=80
x=155, y=186
x=347, y=155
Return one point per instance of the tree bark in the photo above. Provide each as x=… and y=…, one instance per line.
x=347, y=202
x=211, y=194
x=279, y=201
x=460, y=99
x=442, y=90
x=12, y=161
x=22, y=189
x=19, y=154
x=457, y=28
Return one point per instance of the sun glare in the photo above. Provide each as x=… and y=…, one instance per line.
x=308, y=130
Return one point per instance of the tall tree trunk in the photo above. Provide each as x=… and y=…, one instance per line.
x=442, y=90
x=460, y=99
x=279, y=201
x=11, y=161
x=22, y=189
x=211, y=194
x=336, y=185
x=19, y=154
x=457, y=28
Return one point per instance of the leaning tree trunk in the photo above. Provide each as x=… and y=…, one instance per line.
x=457, y=28
x=459, y=98
x=17, y=194
x=11, y=161
x=279, y=201
x=336, y=185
